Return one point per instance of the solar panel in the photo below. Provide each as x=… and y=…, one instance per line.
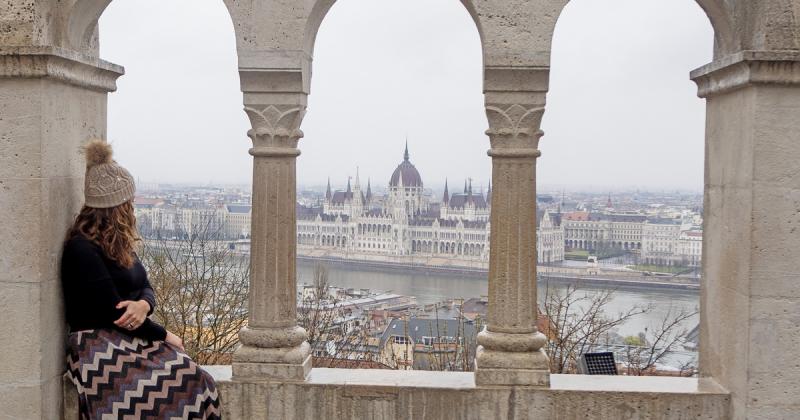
x=598, y=364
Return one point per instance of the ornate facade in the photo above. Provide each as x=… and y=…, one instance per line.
x=55, y=88
x=407, y=223
x=591, y=231
x=659, y=241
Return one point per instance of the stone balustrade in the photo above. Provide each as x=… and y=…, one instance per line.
x=53, y=97
x=346, y=394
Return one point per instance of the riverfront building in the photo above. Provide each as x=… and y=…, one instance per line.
x=656, y=240
x=56, y=87
x=406, y=222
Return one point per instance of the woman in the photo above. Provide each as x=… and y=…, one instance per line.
x=123, y=364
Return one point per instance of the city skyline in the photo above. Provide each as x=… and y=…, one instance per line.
x=404, y=75
x=340, y=181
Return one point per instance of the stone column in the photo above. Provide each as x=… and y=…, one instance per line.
x=51, y=101
x=749, y=319
x=273, y=345
x=511, y=346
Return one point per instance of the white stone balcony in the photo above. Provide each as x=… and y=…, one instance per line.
x=53, y=96
x=391, y=394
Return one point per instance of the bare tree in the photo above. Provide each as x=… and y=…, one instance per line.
x=314, y=313
x=578, y=321
x=201, y=286
x=658, y=343
x=337, y=332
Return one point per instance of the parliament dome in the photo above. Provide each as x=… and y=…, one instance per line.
x=408, y=172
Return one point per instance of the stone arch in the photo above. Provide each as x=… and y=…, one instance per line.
x=321, y=8
x=80, y=32
x=719, y=17
x=721, y=22
x=82, y=23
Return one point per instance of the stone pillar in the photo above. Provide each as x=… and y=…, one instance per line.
x=273, y=345
x=511, y=346
x=749, y=319
x=51, y=101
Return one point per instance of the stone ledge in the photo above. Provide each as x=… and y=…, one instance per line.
x=361, y=393
x=466, y=380
x=746, y=68
x=355, y=394
x=59, y=64
x=641, y=384
x=396, y=378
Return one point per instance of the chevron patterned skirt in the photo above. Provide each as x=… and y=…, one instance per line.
x=123, y=377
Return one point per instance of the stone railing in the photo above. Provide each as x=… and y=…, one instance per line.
x=390, y=394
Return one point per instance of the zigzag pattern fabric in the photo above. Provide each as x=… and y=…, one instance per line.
x=123, y=377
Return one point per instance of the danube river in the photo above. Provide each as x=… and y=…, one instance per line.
x=431, y=288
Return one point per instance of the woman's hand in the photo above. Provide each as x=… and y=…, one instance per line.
x=174, y=340
x=135, y=314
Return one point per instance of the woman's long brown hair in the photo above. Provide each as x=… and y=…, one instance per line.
x=113, y=229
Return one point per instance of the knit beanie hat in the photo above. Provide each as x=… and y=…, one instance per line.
x=107, y=184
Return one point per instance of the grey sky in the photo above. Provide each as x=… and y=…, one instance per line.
x=621, y=109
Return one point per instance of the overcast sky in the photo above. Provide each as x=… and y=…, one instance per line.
x=621, y=112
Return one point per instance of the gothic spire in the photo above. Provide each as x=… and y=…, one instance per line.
x=349, y=190
x=465, y=186
x=328, y=191
x=405, y=154
x=369, y=191
x=446, y=198
x=489, y=193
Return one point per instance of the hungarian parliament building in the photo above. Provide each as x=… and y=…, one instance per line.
x=406, y=225
x=406, y=222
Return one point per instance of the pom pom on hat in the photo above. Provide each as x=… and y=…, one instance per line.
x=107, y=184
x=97, y=152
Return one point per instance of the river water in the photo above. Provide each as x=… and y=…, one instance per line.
x=431, y=288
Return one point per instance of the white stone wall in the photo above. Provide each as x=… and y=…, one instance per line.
x=53, y=98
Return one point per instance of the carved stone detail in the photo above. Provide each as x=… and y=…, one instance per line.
x=747, y=68
x=61, y=65
x=514, y=126
x=275, y=126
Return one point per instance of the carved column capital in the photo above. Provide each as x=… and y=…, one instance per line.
x=515, y=99
x=276, y=129
x=514, y=129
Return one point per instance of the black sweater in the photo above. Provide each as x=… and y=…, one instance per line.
x=94, y=285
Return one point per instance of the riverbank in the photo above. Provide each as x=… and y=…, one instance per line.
x=545, y=273
x=433, y=288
